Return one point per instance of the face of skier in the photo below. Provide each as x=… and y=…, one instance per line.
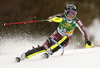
x=70, y=14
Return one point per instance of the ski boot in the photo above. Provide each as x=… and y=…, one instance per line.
x=48, y=52
x=45, y=55
x=22, y=57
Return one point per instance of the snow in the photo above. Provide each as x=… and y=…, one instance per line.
x=10, y=47
x=94, y=31
x=80, y=58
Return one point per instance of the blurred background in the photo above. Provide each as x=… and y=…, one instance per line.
x=29, y=10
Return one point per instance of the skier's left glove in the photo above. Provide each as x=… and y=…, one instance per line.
x=88, y=43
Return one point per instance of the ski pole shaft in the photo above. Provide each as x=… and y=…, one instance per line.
x=24, y=22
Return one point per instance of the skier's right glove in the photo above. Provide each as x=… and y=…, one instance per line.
x=88, y=43
x=55, y=19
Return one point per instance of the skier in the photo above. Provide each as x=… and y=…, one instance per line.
x=67, y=23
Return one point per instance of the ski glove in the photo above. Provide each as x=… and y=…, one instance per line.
x=55, y=19
x=88, y=43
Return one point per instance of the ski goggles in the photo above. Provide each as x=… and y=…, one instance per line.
x=70, y=12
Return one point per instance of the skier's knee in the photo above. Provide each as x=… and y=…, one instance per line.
x=47, y=44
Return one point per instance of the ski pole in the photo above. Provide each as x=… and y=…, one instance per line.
x=55, y=19
x=24, y=22
x=58, y=45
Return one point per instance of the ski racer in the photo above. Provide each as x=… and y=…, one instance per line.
x=67, y=23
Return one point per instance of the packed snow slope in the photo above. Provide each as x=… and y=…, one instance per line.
x=79, y=58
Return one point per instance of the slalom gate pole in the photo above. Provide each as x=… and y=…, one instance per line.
x=58, y=45
x=24, y=22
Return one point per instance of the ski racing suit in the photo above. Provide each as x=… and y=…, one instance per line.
x=62, y=35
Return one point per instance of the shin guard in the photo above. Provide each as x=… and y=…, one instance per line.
x=62, y=42
x=34, y=51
